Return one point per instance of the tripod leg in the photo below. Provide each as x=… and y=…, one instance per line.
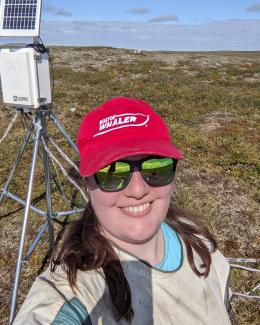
x=63, y=131
x=25, y=218
x=47, y=184
x=18, y=159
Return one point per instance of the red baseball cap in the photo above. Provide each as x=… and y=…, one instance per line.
x=119, y=128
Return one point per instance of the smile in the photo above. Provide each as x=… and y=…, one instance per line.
x=137, y=209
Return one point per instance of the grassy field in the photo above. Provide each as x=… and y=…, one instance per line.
x=211, y=101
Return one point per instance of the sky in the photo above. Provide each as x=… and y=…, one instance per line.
x=153, y=24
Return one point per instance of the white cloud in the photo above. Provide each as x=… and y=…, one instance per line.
x=49, y=8
x=138, y=11
x=163, y=19
x=229, y=35
x=255, y=7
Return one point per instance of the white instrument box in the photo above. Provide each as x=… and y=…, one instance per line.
x=25, y=78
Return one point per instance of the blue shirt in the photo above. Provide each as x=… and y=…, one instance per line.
x=172, y=250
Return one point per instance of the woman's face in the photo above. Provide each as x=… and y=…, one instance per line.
x=133, y=215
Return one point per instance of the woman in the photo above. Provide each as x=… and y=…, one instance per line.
x=130, y=258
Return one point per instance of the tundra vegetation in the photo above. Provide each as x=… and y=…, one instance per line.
x=211, y=101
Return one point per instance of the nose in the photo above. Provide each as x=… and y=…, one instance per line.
x=137, y=187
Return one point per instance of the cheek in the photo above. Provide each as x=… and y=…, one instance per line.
x=102, y=201
x=163, y=192
x=163, y=195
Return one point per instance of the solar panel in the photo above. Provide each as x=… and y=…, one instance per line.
x=20, y=17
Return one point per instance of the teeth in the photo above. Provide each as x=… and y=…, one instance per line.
x=137, y=209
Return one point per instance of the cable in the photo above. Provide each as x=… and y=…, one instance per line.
x=40, y=48
x=64, y=171
x=26, y=120
x=47, y=50
x=59, y=184
x=62, y=153
x=9, y=128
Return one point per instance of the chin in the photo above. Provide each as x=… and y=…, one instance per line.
x=141, y=236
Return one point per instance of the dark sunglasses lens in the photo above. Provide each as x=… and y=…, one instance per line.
x=158, y=171
x=113, y=177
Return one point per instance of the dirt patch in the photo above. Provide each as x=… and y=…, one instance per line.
x=98, y=59
x=216, y=120
x=254, y=78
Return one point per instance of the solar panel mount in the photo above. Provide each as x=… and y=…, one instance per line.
x=20, y=17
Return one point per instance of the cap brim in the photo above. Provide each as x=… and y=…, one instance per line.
x=95, y=159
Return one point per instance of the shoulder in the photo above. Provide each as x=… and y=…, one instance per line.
x=72, y=312
x=219, y=261
x=222, y=269
x=47, y=303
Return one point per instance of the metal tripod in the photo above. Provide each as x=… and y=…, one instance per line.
x=40, y=135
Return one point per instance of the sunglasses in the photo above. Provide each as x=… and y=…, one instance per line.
x=156, y=171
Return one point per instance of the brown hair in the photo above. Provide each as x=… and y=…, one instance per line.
x=85, y=248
